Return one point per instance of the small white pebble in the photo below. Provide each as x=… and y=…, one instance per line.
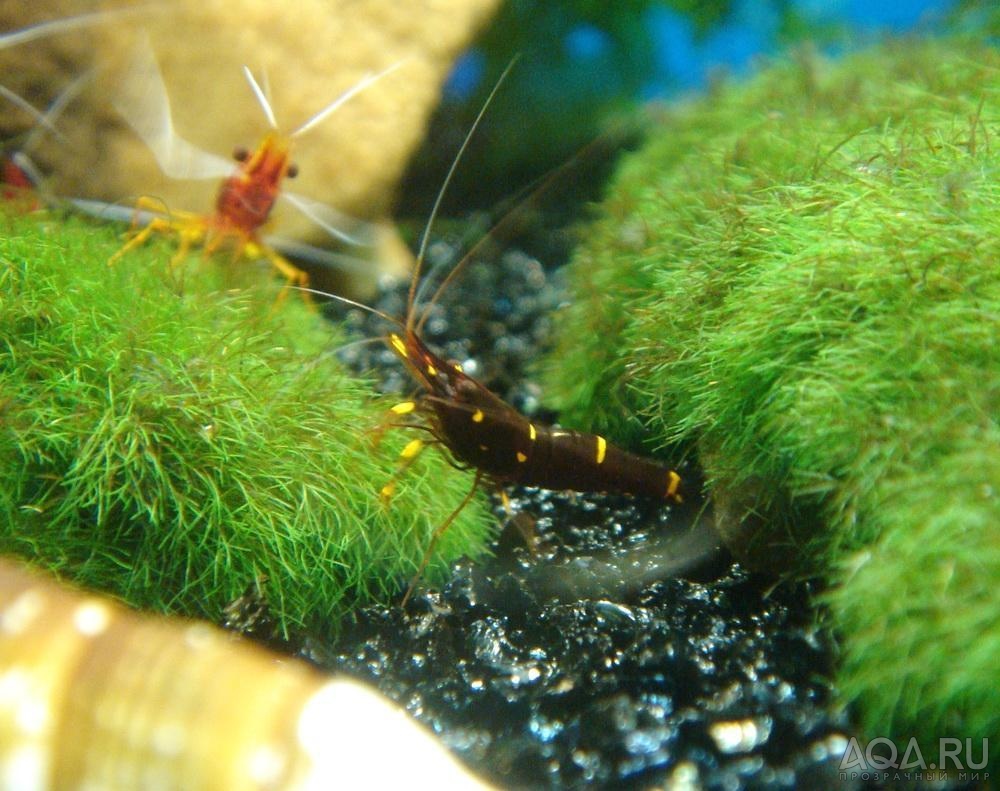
x=740, y=736
x=684, y=777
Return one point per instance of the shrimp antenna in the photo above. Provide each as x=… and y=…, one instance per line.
x=265, y=84
x=30, y=109
x=357, y=343
x=46, y=123
x=54, y=110
x=444, y=188
x=261, y=97
x=314, y=211
x=532, y=190
x=53, y=27
x=346, y=96
x=351, y=302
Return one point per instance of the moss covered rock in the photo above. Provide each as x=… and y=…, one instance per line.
x=174, y=436
x=799, y=276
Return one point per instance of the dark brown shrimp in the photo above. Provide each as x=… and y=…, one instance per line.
x=482, y=432
x=485, y=433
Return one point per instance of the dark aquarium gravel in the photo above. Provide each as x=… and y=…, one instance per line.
x=575, y=666
x=609, y=642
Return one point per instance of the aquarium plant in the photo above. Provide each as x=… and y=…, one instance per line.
x=184, y=437
x=797, y=277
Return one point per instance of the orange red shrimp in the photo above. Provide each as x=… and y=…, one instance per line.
x=247, y=195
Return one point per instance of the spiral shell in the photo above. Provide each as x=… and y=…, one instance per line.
x=96, y=696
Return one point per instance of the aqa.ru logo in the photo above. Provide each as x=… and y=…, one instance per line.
x=880, y=759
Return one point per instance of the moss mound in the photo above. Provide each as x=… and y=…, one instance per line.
x=173, y=437
x=799, y=275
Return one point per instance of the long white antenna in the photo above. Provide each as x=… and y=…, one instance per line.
x=54, y=110
x=422, y=251
x=351, y=302
x=350, y=93
x=261, y=97
x=54, y=27
x=324, y=216
x=29, y=108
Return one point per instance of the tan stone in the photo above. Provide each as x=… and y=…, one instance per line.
x=311, y=50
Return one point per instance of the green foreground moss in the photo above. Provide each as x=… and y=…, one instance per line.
x=172, y=437
x=799, y=275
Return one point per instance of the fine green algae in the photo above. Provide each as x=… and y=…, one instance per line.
x=799, y=275
x=173, y=436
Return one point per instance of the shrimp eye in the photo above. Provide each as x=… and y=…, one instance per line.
x=292, y=172
x=240, y=154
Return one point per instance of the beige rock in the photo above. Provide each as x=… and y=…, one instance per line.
x=311, y=51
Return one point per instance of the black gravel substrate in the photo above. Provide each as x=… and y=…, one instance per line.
x=537, y=682
x=623, y=648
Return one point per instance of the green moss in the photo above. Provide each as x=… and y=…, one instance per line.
x=799, y=274
x=173, y=437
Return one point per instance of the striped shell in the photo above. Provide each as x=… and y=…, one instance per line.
x=96, y=696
